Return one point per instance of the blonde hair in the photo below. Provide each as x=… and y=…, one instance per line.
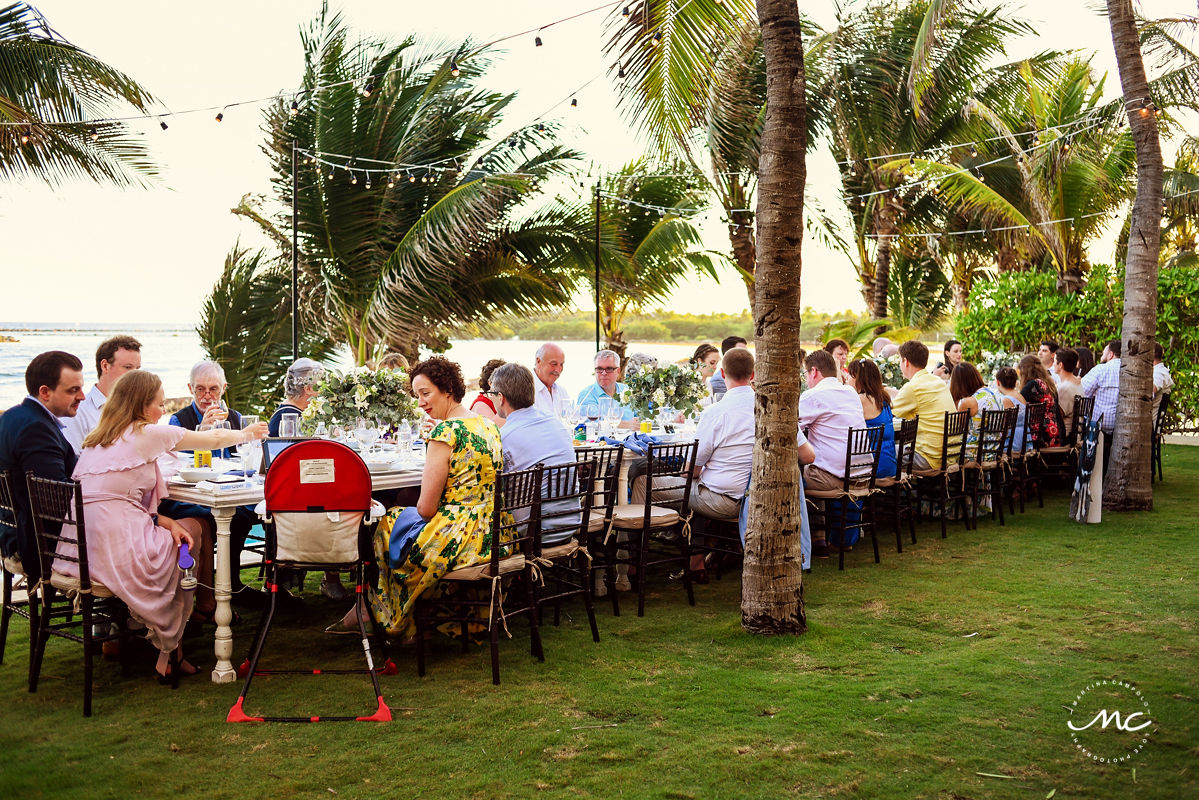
x=125, y=406
x=393, y=361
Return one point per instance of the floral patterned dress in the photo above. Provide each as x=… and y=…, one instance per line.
x=1050, y=434
x=458, y=535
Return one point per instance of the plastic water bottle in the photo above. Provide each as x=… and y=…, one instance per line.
x=188, y=565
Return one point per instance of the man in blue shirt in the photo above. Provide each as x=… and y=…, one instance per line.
x=530, y=437
x=207, y=385
x=606, y=387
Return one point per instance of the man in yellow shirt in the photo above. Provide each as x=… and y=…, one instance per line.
x=925, y=395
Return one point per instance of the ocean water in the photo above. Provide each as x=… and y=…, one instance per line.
x=171, y=351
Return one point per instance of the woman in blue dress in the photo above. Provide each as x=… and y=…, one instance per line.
x=867, y=381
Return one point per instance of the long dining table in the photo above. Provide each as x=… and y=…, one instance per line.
x=223, y=502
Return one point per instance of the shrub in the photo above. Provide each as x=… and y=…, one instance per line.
x=1017, y=310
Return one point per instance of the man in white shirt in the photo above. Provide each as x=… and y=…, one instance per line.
x=827, y=411
x=1163, y=381
x=726, y=442
x=547, y=367
x=114, y=357
x=1046, y=353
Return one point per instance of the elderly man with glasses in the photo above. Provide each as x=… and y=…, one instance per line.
x=207, y=386
x=607, y=388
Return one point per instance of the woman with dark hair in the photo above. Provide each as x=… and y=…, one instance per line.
x=970, y=394
x=839, y=350
x=1038, y=387
x=953, y=357
x=1086, y=361
x=1065, y=364
x=1006, y=379
x=450, y=525
x=867, y=381
x=482, y=404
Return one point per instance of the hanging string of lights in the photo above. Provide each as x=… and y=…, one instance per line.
x=365, y=81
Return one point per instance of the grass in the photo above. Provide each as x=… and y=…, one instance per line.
x=956, y=658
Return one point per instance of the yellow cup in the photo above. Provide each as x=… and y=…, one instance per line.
x=646, y=425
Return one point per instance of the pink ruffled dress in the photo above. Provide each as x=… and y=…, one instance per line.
x=127, y=551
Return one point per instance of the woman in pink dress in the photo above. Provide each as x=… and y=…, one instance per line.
x=132, y=550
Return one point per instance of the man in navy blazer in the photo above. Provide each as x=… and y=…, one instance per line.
x=31, y=440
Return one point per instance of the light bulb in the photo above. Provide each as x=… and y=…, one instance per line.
x=656, y=39
x=391, y=182
x=295, y=107
x=537, y=41
x=620, y=70
x=94, y=134
x=162, y=124
x=454, y=69
x=220, y=115
x=626, y=12
x=411, y=178
x=574, y=103
x=353, y=179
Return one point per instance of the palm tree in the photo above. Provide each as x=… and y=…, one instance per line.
x=1127, y=485
x=52, y=93
x=894, y=80
x=695, y=85
x=649, y=244
x=1180, y=235
x=398, y=254
x=242, y=330
x=772, y=600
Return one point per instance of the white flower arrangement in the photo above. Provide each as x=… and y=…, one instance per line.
x=992, y=362
x=381, y=395
x=675, y=386
x=890, y=370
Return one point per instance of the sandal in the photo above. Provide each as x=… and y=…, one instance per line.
x=340, y=628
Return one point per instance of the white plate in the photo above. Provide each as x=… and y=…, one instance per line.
x=197, y=475
x=381, y=466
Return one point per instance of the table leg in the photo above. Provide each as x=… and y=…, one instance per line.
x=223, y=672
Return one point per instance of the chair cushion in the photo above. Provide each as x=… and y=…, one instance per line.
x=936, y=473
x=633, y=517
x=65, y=583
x=855, y=490
x=597, y=522
x=560, y=550
x=985, y=465
x=482, y=570
x=1054, y=451
x=887, y=483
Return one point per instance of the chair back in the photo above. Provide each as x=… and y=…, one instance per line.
x=8, y=509
x=953, y=439
x=862, y=450
x=317, y=493
x=1034, y=426
x=1084, y=407
x=905, y=447
x=669, y=461
x=605, y=476
x=566, y=496
x=1159, y=421
x=993, y=435
x=58, y=525
x=516, y=516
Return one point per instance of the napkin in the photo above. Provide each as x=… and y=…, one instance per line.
x=637, y=443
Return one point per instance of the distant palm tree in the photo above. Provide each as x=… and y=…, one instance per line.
x=646, y=253
x=56, y=91
x=1180, y=235
x=242, y=329
x=396, y=255
x=894, y=79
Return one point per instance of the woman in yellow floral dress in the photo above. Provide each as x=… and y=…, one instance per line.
x=450, y=525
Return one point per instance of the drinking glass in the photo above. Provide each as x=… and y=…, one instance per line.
x=289, y=426
x=404, y=443
x=566, y=412
x=251, y=456
x=367, y=433
x=248, y=421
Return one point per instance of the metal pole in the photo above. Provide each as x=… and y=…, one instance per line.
x=597, y=267
x=295, y=255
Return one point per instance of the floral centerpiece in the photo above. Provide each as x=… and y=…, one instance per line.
x=992, y=362
x=381, y=395
x=673, y=386
x=888, y=367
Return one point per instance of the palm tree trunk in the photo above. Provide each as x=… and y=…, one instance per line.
x=1127, y=485
x=772, y=582
x=745, y=253
x=886, y=231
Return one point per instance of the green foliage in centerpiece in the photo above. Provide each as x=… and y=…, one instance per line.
x=381, y=395
x=892, y=373
x=673, y=386
x=992, y=362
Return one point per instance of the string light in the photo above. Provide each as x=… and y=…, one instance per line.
x=366, y=90
x=626, y=12
x=26, y=134
x=220, y=116
x=574, y=103
x=95, y=134
x=454, y=68
x=295, y=107
x=656, y=39
x=620, y=70
x=162, y=123
x=353, y=178
x=537, y=42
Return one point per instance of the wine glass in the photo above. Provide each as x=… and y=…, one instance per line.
x=367, y=433
x=591, y=412
x=566, y=411
x=250, y=454
x=614, y=413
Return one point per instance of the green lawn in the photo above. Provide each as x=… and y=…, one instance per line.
x=956, y=658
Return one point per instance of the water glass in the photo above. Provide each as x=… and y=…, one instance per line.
x=289, y=426
x=248, y=421
x=404, y=443
x=367, y=433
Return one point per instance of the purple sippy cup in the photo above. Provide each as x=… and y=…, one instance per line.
x=188, y=565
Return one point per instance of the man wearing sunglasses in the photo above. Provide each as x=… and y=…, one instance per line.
x=606, y=387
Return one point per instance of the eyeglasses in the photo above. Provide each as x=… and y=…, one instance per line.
x=606, y=369
x=490, y=393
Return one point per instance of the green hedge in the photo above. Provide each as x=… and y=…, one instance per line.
x=1019, y=309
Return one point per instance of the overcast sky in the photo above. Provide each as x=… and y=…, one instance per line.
x=92, y=253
